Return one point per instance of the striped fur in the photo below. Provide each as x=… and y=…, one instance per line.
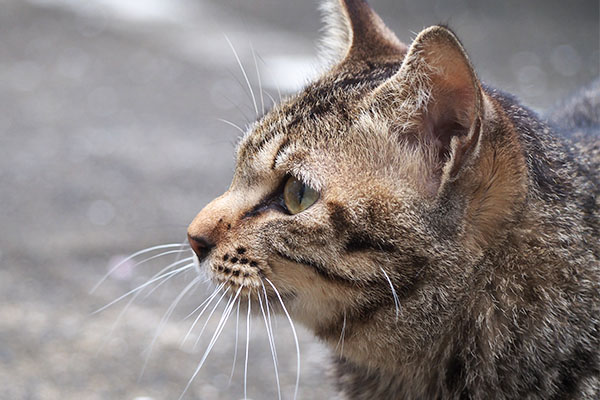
x=454, y=247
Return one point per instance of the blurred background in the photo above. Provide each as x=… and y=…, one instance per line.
x=111, y=142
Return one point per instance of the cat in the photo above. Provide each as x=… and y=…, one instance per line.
x=445, y=234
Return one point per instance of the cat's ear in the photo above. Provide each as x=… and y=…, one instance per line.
x=353, y=31
x=437, y=99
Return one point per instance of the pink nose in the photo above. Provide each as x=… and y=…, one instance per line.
x=201, y=246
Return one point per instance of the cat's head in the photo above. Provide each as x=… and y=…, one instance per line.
x=353, y=196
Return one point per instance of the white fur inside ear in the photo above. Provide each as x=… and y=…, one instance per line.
x=337, y=33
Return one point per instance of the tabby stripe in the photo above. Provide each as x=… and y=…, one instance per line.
x=284, y=145
x=318, y=268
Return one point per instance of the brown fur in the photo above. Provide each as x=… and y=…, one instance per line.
x=485, y=222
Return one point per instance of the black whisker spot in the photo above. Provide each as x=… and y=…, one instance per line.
x=244, y=261
x=226, y=257
x=253, y=264
x=234, y=260
x=241, y=250
x=236, y=272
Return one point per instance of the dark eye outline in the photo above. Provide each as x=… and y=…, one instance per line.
x=304, y=188
x=274, y=201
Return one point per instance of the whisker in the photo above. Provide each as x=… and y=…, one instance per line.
x=235, y=350
x=166, y=280
x=276, y=83
x=213, y=340
x=295, y=337
x=205, y=303
x=184, y=246
x=235, y=104
x=396, y=301
x=208, y=319
x=247, y=346
x=270, y=324
x=214, y=293
x=262, y=99
x=232, y=124
x=342, y=336
x=271, y=98
x=271, y=344
x=151, y=281
x=132, y=299
x=144, y=251
x=166, y=317
x=244, y=73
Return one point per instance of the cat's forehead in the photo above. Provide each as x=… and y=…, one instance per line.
x=318, y=115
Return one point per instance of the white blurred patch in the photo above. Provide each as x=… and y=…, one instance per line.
x=125, y=270
x=137, y=10
x=527, y=67
x=287, y=73
x=566, y=60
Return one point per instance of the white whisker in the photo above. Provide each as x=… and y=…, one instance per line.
x=213, y=340
x=396, y=301
x=342, y=336
x=247, y=347
x=235, y=350
x=185, y=246
x=270, y=324
x=124, y=310
x=295, y=337
x=208, y=319
x=276, y=85
x=271, y=344
x=244, y=73
x=213, y=294
x=231, y=124
x=166, y=280
x=151, y=281
x=262, y=99
x=271, y=98
x=165, y=319
x=205, y=303
x=149, y=249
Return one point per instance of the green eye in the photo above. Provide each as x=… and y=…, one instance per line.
x=298, y=196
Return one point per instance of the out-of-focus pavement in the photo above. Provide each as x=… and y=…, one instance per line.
x=110, y=142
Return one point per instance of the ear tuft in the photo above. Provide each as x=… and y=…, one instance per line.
x=337, y=33
x=353, y=32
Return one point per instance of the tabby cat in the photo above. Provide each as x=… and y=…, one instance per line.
x=439, y=228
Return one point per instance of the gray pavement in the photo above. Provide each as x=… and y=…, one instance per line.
x=110, y=142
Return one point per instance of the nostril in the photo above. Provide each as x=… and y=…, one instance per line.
x=201, y=246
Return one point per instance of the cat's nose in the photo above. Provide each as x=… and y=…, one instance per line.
x=201, y=246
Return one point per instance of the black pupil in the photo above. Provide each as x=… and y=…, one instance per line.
x=301, y=190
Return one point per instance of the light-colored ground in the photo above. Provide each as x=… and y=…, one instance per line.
x=110, y=143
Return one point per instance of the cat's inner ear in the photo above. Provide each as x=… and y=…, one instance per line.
x=353, y=31
x=437, y=99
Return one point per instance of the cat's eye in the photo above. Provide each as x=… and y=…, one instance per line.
x=298, y=196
